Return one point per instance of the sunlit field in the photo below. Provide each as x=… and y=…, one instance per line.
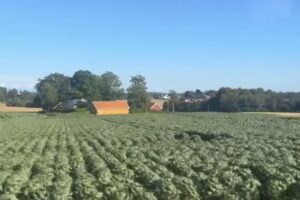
x=4, y=108
x=149, y=156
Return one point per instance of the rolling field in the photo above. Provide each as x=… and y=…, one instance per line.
x=149, y=156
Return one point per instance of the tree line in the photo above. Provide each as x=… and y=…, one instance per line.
x=13, y=97
x=237, y=100
x=56, y=87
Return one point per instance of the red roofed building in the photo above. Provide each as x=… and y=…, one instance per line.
x=110, y=108
x=156, y=107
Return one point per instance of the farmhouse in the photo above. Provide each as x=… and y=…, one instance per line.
x=110, y=107
x=156, y=107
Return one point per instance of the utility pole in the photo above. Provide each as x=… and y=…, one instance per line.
x=173, y=105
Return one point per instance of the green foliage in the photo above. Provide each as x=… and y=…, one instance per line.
x=173, y=94
x=234, y=100
x=138, y=97
x=110, y=87
x=149, y=156
x=3, y=92
x=13, y=97
x=85, y=85
x=48, y=95
x=56, y=88
x=53, y=88
x=238, y=100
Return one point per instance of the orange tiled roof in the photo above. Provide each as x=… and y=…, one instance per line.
x=107, y=105
x=155, y=103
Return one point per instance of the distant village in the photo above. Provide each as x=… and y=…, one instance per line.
x=187, y=97
x=157, y=102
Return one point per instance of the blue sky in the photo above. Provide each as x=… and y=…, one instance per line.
x=175, y=44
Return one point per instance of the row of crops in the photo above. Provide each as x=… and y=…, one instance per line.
x=149, y=156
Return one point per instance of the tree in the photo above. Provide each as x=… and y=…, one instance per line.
x=226, y=100
x=48, y=95
x=297, y=106
x=85, y=85
x=3, y=92
x=210, y=93
x=189, y=95
x=229, y=102
x=11, y=95
x=173, y=94
x=199, y=94
x=138, y=97
x=23, y=99
x=54, y=88
x=110, y=86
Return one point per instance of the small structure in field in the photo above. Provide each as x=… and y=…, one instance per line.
x=70, y=105
x=156, y=107
x=120, y=107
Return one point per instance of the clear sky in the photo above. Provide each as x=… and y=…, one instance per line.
x=175, y=44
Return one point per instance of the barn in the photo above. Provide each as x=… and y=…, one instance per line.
x=110, y=107
x=156, y=107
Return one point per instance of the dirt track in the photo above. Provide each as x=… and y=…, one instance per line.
x=4, y=108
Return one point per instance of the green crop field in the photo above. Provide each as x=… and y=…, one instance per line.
x=149, y=156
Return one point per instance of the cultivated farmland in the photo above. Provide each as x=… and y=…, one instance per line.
x=149, y=156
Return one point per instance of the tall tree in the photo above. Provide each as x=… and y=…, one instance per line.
x=3, y=92
x=110, y=86
x=199, y=94
x=56, y=87
x=138, y=97
x=11, y=95
x=173, y=94
x=229, y=101
x=22, y=99
x=48, y=95
x=85, y=85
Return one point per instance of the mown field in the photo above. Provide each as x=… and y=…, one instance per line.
x=4, y=108
x=149, y=156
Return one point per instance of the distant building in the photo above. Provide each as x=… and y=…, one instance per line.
x=166, y=97
x=191, y=97
x=70, y=105
x=120, y=107
x=73, y=104
x=156, y=107
x=160, y=102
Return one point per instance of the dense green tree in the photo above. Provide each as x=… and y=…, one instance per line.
x=48, y=95
x=254, y=100
x=210, y=93
x=3, y=92
x=138, y=97
x=199, y=94
x=110, y=87
x=11, y=95
x=173, y=94
x=54, y=88
x=297, y=106
x=85, y=85
x=189, y=95
x=23, y=99
x=229, y=102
